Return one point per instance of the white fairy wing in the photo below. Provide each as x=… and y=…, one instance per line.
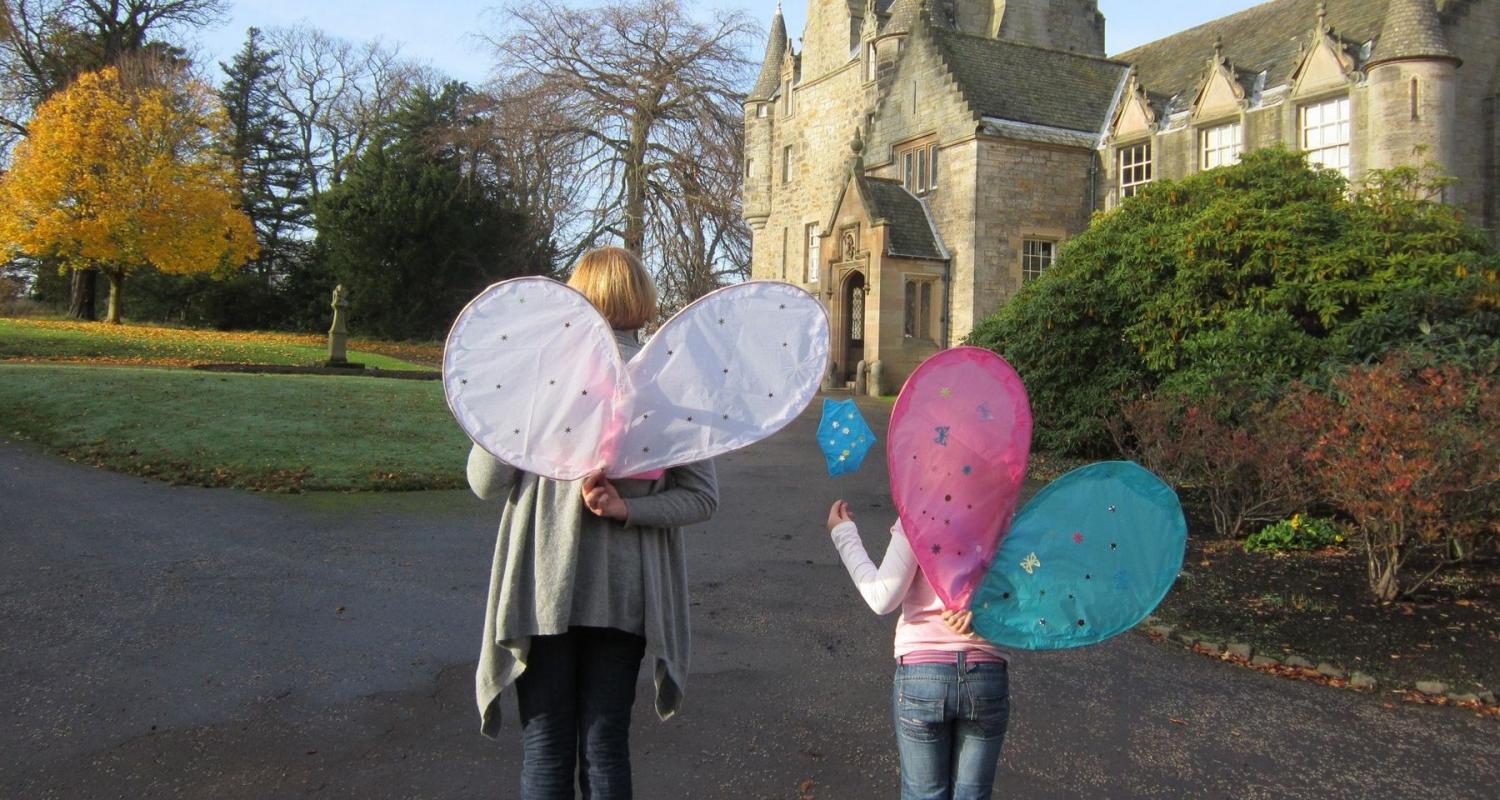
x=531, y=372
x=729, y=370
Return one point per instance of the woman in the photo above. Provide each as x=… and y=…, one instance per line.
x=589, y=576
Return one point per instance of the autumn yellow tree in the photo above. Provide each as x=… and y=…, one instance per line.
x=120, y=174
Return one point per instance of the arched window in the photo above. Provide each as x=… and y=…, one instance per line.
x=857, y=314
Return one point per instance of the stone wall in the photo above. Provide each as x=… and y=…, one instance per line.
x=827, y=111
x=1026, y=190
x=1473, y=33
x=1071, y=25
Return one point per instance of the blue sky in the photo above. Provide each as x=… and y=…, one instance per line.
x=440, y=32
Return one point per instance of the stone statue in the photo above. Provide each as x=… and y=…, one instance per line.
x=338, y=334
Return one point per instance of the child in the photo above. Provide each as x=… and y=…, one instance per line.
x=951, y=698
x=589, y=578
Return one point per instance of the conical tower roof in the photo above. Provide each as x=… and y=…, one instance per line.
x=1412, y=30
x=903, y=16
x=770, y=69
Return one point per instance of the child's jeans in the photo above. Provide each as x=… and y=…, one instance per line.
x=950, y=724
x=575, y=698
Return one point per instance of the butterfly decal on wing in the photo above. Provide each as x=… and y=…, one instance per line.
x=532, y=373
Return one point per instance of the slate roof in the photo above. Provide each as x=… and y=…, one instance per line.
x=909, y=231
x=770, y=69
x=1264, y=38
x=1016, y=82
x=1412, y=30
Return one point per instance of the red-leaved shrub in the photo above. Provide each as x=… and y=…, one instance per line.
x=1410, y=453
x=1245, y=462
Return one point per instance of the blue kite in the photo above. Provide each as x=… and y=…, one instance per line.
x=844, y=436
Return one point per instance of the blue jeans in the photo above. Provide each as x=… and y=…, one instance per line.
x=950, y=724
x=575, y=698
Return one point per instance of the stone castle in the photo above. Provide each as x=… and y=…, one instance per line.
x=916, y=161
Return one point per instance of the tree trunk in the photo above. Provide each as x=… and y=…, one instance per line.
x=1384, y=563
x=116, y=283
x=635, y=185
x=81, y=293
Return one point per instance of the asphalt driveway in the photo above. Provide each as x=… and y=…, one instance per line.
x=179, y=642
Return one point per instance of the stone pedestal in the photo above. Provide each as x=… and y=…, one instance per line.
x=338, y=333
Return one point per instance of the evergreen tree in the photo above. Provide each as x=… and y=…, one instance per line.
x=412, y=233
x=273, y=190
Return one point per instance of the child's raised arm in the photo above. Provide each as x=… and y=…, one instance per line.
x=883, y=588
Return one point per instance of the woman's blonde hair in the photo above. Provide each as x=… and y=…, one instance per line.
x=614, y=280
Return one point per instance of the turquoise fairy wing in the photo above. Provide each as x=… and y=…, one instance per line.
x=1089, y=557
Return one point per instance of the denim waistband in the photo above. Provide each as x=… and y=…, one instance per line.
x=949, y=657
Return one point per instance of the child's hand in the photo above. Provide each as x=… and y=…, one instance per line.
x=839, y=514
x=601, y=497
x=960, y=622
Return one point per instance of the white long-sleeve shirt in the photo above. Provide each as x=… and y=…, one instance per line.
x=899, y=582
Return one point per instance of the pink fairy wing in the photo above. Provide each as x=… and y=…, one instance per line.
x=957, y=448
x=532, y=373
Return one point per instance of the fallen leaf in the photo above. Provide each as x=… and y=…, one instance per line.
x=1176, y=721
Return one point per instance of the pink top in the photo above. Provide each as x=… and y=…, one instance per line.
x=899, y=582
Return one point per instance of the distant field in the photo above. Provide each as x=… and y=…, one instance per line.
x=268, y=432
x=67, y=340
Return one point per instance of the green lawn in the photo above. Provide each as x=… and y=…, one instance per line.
x=269, y=432
x=69, y=340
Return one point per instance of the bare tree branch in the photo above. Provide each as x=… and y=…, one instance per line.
x=637, y=105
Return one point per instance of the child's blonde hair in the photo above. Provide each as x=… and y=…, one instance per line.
x=614, y=280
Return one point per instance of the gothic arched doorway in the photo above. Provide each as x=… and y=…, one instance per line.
x=854, y=323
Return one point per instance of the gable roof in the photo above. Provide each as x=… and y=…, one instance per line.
x=909, y=231
x=1267, y=38
x=1032, y=85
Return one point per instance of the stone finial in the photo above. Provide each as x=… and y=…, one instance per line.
x=1322, y=17
x=1218, y=49
x=857, y=147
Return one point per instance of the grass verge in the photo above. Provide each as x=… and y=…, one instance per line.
x=97, y=342
x=267, y=432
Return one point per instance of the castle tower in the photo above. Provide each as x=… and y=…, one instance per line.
x=1413, y=93
x=758, y=126
x=1074, y=26
x=832, y=35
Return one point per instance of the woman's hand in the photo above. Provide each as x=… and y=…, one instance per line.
x=839, y=514
x=960, y=622
x=601, y=497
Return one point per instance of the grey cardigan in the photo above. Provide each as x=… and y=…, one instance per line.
x=556, y=564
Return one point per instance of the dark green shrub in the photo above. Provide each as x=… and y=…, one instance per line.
x=1301, y=532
